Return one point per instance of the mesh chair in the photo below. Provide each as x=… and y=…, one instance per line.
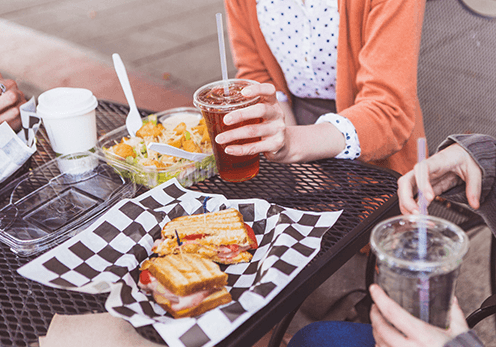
x=457, y=93
x=456, y=87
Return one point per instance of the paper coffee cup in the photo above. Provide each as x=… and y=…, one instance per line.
x=68, y=115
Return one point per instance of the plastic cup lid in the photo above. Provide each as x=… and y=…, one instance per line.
x=65, y=102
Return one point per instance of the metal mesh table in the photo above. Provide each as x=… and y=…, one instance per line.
x=367, y=194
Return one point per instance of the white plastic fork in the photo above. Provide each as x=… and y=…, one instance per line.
x=176, y=152
x=133, y=119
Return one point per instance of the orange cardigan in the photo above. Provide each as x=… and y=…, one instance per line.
x=376, y=83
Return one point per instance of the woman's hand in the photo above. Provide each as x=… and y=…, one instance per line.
x=439, y=173
x=272, y=129
x=10, y=100
x=279, y=142
x=407, y=331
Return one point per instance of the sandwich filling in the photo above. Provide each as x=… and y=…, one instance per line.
x=151, y=285
x=223, y=252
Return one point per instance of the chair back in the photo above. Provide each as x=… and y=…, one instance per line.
x=456, y=72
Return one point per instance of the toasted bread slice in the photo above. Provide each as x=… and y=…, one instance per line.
x=215, y=299
x=224, y=227
x=185, y=274
x=206, y=234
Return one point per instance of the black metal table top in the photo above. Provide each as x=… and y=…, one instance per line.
x=365, y=193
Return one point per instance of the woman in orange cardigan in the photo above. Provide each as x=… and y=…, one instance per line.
x=345, y=69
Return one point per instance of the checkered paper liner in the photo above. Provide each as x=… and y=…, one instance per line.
x=106, y=257
x=16, y=149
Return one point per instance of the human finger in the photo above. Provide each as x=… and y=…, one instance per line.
x=8, y=100
x=266, y=90
x=422, y=179
x=251, y=148
x=403, y=320
x=271, y=139
x=473, y=183
x=260, y=110
x=11, y=116
x=458, y=323
x=407, y=187
x=385, y=334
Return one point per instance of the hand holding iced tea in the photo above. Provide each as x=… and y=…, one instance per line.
x=215, y=100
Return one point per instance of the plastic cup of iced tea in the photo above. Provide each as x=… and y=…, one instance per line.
x=423, y=286
x=215, y=100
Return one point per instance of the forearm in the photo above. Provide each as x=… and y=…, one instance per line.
x=289, y=117
x=312, y=142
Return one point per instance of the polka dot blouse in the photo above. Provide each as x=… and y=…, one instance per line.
x=303, y=38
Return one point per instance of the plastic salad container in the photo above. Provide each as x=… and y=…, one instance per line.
x=185, y=171
x=55, y=201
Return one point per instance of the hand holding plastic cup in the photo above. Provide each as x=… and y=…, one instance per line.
x=215, y=103
x=68, y=115
x=402, y=274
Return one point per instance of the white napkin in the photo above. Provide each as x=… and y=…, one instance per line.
x=16, y=149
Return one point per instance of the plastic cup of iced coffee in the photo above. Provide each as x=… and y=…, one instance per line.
x=215, y=100
x=68, y=115
x=421, y=281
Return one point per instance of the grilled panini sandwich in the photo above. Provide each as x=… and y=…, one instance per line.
x=220, y=236
x=185, y=285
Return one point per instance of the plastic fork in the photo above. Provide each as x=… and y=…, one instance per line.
x=133, y=119
x=176, y=152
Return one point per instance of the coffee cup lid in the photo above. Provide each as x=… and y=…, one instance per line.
x=65, y=102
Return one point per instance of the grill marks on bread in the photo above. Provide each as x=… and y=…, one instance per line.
x=185, y=274
x=224, y=227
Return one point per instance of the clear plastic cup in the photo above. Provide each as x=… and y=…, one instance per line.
x=215, y=103
x=416, y=284
x=68, y=115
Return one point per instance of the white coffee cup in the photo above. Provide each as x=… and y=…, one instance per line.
x=68, y=115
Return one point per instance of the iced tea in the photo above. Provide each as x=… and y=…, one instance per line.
x=215, y=100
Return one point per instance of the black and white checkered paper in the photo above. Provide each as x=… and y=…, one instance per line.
x=106, y=258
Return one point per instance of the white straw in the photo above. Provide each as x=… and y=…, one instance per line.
x=424, y=279
x=222, y=50
x=422, y=201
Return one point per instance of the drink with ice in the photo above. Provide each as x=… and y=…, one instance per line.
x=215, y=100
x=410, y=280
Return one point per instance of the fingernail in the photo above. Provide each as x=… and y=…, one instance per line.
x=228, y=150
x=227, y=119
x=219, y=139
x=429, y=196
x=247, y=92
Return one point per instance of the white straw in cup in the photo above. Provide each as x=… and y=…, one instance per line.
x=222, y=51
x=424, y=279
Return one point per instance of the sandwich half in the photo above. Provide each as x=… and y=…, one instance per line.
x=221, y=236
x=185, y=285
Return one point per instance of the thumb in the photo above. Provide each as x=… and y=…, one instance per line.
x=458, y=324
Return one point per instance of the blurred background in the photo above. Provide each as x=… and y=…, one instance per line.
x=165, y=44
x=170, y=48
